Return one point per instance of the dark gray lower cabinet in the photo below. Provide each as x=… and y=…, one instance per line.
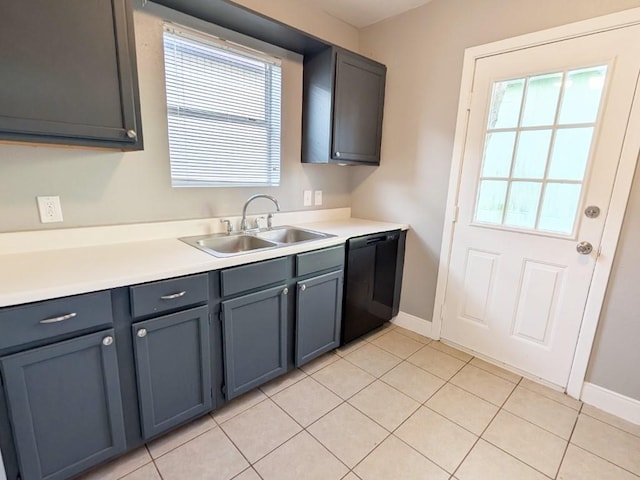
x=319, y=312
x=173, y=368
x=65, y=406
x=255, y=339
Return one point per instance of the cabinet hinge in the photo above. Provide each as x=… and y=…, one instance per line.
x=599, y=252
x=456, y=211
x=223, y=389
x=220, y=316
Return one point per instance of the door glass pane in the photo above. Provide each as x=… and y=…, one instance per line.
x=582, y=94
x=559, y=207
x=531, y=157
x=491, y=201
x=534, y=166
x=498, y=153
x=541, y=102
x=522, y=207
x=570, y=153
x=506, y=101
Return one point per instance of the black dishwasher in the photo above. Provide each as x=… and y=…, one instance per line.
x=373, y=282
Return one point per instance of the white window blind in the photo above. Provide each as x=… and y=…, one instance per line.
x=223, y=107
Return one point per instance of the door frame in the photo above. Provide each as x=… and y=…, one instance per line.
x=621, y=188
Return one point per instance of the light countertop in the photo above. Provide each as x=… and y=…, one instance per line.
x=44, y=274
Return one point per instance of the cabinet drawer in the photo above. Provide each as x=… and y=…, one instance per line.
x=319, y=260
x=37, y=321
x=167, y=295
x=247, y=277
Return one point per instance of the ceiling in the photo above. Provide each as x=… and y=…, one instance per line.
x=362, y=13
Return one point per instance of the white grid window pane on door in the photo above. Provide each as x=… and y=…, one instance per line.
x=223, y=107
x=537, y=148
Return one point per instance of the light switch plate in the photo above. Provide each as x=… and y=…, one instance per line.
x=307, y=198
x=318, y=197
x=50, y=209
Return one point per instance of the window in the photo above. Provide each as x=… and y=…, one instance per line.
x=537, y=149
x=223, y=104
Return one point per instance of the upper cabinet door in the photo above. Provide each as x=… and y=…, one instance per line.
x=358, y=106
x=67, y=73
x=342, y=106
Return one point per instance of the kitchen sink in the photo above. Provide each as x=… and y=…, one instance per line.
x=290, y=235
x=228, y=245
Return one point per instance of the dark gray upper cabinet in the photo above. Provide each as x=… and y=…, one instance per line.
x=173, y=368
x=255, y=339
x=343, y=102
x=65, y=406
x=318, y=316
x=68, y=73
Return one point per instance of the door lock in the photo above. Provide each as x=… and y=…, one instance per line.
x=592, y=211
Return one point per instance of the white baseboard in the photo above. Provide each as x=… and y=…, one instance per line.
x=413, y=323
x=611, y=402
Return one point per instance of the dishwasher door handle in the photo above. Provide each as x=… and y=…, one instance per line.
x=374, y=240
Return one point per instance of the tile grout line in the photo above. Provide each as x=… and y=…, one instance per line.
x=605, y=460
x=250, y=467
x=484, y=431
x=564, y=454
x=531, y=423
x=609, y=424
x=579, y=409
x=155, y=465
x=594, y=453
x=392, y=433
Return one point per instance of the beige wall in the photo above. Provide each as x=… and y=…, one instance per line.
x=423, y=50
x=100, y=188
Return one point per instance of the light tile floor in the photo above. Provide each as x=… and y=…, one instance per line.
x=393, y=406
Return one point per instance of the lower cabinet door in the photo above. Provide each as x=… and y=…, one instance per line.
x=255, y=339
x=173, y=367
x=65, y=406
x=319, y=316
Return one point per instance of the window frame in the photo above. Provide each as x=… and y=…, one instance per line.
x=271, y=121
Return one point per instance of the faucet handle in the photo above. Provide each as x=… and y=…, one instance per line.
x=256, y=221
x=229, y=226
x=270, y=221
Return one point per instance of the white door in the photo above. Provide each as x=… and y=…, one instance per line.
x=545, y=133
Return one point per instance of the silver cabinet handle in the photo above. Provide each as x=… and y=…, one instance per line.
x=106, y=341
x=174, y=295
x=142, y=333
x=303, y=287
x=584, y=248
x=338, y=154
x=132, y=134
x=61, y=318
x=285, y=291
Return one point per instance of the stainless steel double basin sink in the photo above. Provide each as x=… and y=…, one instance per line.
x=228, y=245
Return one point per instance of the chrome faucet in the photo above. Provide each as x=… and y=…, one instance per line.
x=243, y=223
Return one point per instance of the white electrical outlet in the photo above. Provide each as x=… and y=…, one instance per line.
x=50, y=209
x=318, y=197
x=307, y=198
